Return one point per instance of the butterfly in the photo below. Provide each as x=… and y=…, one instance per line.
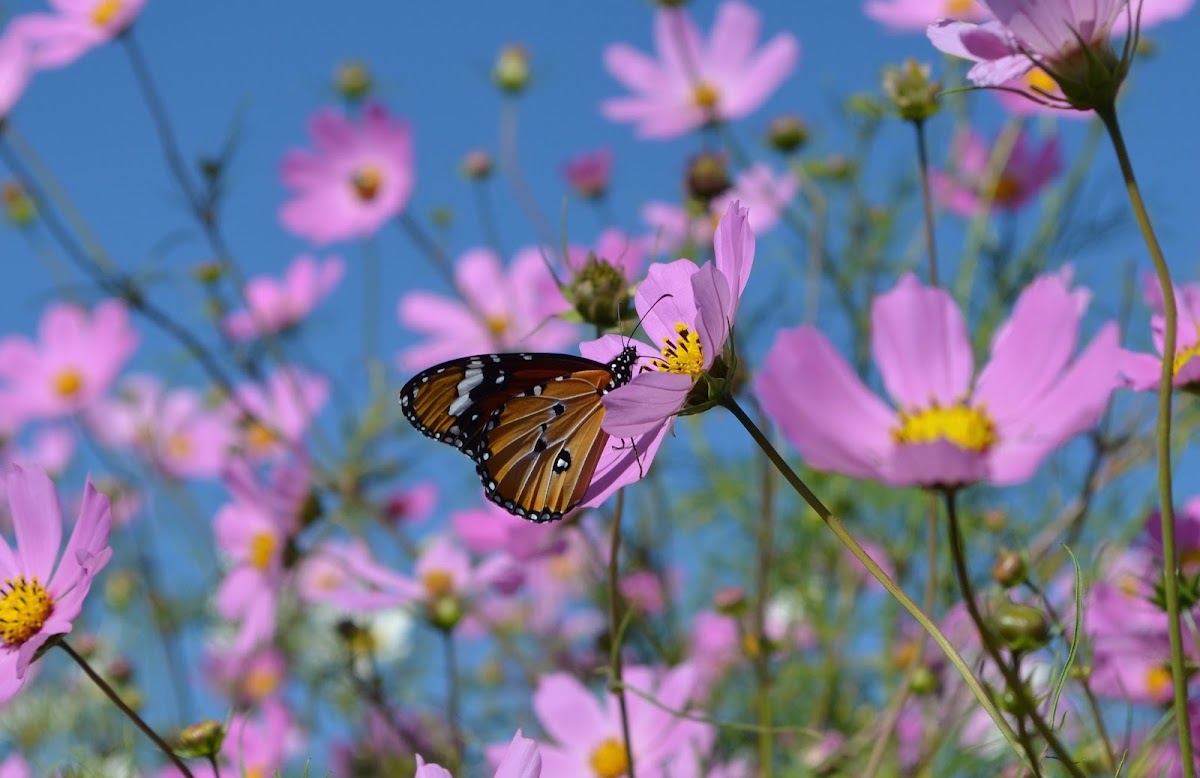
x=531, y=422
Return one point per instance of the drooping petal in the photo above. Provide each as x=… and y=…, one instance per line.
x=646, y=402
x=939, y=463
x=714, y=320
x=733, y=250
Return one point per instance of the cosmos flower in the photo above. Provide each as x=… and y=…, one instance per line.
x=588, y=174
x=1143, y=371
x=948, y=428
x=358, y=177
x=78, y=26
x=277, y=306
x=40, y=599
x=916, y=15
x=695, y=83
x=283, y=407
x=76, y=358
x=1026, y=172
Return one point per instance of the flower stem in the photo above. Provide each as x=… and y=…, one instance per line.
x=878, y=573
x=762, y=658
x=452, y=698
x=927, y=201
x=1179, y=678
x=128, y=711
x=617, y=684
x=1028, y=707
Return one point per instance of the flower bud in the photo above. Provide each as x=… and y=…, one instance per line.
x=1089, y=76
x=908, y=88
x=1021, y=627
x=787, y=133
x=924, y=681
x=671, y=3
x=600, y=293
x=201, y=740
x=707, y=176
x=589, y=174
x=730, y=600
x=995, y=519
x=353, y=81
x=17, y=204
x=445, y=612
x=835, y=167
x=477, y=165
x=120, y=670
x=511, y=72
x=311, y=509
x=1009, y=569
x=209, y=272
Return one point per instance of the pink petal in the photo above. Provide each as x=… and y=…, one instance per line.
x=733, y=249
x=646, y=402
x=521, y=760
x=940, y=463
x=774, y=63
x=569, y=713
x=631, y=67
x=85, y=551
x=714, y=320
x=665, y=299
x=37, y=519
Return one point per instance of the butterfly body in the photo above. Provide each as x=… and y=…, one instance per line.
x=531, y=422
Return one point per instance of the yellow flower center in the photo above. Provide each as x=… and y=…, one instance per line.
x=258, y=437
x=104, y=11
x=1006, y=189
x=68, y=383
x=705, y=96
x=366, y=182
x=1128, y=584
x=254, y=772
x=262, y=548
x=905, y=653
x=179, y=445
x=497, y=324
x=608, y=760
x=959, y=7
x=24, y=608
x=261, y=682
x=1187, y=354
x=968, y=428
x=1158, y=680
x=1041, y=80
x=438, y=583
x=562, y=567
x=682, y=354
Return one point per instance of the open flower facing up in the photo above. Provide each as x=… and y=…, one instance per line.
x=78, y=26
x=501, y=310
x=948, y=428
x=357, y=178
x=697, y=83
x=39, y=599
x=1143, y=371
x=76, y=358
x=1026, y=172
x=283, y=408
x=916, y=15
x=276, y=306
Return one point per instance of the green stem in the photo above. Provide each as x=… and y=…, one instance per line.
x=1179, y=678
x=927, y=201
x=452, y=698
x=977, y=228
x=762, y=658
x=128, y=711
x=372, y=288
x=878, y=574
x=1012, y=679
x=616, y=632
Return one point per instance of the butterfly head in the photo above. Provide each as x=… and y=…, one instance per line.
x=621, y=367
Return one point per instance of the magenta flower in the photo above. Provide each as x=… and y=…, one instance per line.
x=948, y=428
x=75, y=360
x=357, y=178
x=696, y=83
x=39, y=598
x=586, y=733
x=15, y=766
x=521, y=760
x=1026, y=173
x=16, y=68
x=277, y=306
x=499, y=310
x=411, y=504
x=1143, y=371
x=56, y=40
x=283, y=409
x=916, y=15
x=174, y=430
x=588, y=174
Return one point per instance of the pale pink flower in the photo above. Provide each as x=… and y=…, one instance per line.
x=78, y=26
x=278, y=306
x=675, y=228
x=283, y=409
x=15, y=766
x=916, y=15
x=762, y=192
x=76, y=358
x=1144, y=371
x=16, y=68
x=246, y=679
x=358, y=177
x=411, y=504
x=40, y=598
x=695, y=82
x=1026, y=172
x=501, y=309
x=644, y=591
x=588, y=174
x=521, y=760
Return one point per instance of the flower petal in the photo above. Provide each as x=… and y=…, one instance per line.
x=646, y=402
x=37, y=520
x=522, y=759
x=85, y=552
x=569, y=713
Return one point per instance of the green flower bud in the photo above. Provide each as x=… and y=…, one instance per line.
x=353, y=81
x=730, y=600
x=787, y=133
x=209, y=272
x=1021, y=627
x=601, y=294
x=17, y=204
x=511, y=72
x=477, y=165
x=1009, y=569
x=445, y=612
x=908, y=88
x=201, y=740
x=924, y=682
x=707, y=176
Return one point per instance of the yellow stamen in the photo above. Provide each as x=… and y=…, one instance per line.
x=496, y=324
x=68, y=383
x=682, y=355
x=905, y=653
x=1039, y=79
x=1006, y=189
x=366, y=182
x=1186, y=354
x=438, y=583
x=1158, y=680
x=179, y=445
x=705, y=96
x=1128, y=584
x=262, y=549
x=254, y=772
x=261, y=682
x=959, y=8
x=968, y=428
x=259, y=438
x=24, y=608
x=608, y=759
x=104, y=11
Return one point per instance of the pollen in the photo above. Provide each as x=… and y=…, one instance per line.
x=609, y=760
x=262, y=549
x=438, y=583
x=179, y=445
x=68, y=383
x=261, y=682
x=959, y=7
x=682, y=354
x=104, y=11
x=366, y=182
x=705, y=96
x=1041, y=81
x=497, y=324
x=24, y=607
x=968, y=428
x=1158, y=680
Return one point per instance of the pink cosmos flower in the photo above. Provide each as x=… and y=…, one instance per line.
x=916, y=15
x=1143, y=371
x=253, y=746
x=173, y=430
x=1024, y=34
x=56, y=40
x=763, y=193
x=697, y=83
x=490, y=528
x=246, y=679
x=283, y=409
x=623, y=252
x=588, y=174
x=76, y=358
x=586, y=733
x=1026, y=172
x=499, y=310
x=677, y=228
x=357, y=178
x=277, y=306
x=521, y=760
x=16, y=68
x=411, y=504
x=948, y=428
x=39, y=598
x=644, y=591
x=15, y=766
x=714, y=646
